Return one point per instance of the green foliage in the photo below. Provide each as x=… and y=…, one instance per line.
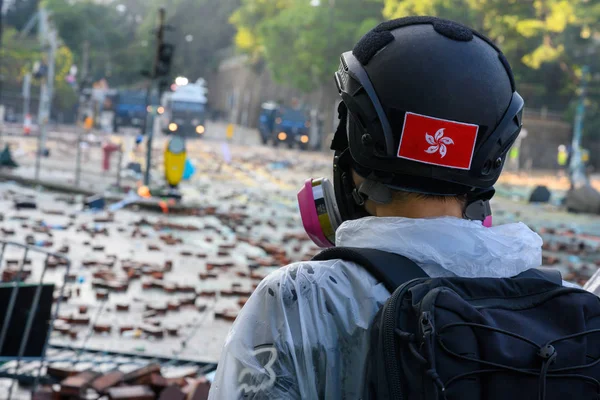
x=206, y=24
x=18, y=55
x=546, y=42
x=248, y=19
x=114, y=50
x=301, y=43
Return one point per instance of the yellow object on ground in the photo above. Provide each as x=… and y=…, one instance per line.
x=562, y=158
x=229, y=131
x=175, y=156
x=89, y=123
x=585, y=155
x=144, y=192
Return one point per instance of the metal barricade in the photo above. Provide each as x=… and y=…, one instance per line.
x=33, y=371
x=17, y=283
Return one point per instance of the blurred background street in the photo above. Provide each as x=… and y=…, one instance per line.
x=151, y=153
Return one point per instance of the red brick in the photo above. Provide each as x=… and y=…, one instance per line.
x=75, y=385
x=173, y=305
x=152, y=330
x=131, y=393
x=100, y=328
x=172, y=393
x=141, y=374
x=226, y=315
x=105, y=382
x=126, y=328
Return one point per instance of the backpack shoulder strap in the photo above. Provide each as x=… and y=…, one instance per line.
x=391, y=269
x=549, y=274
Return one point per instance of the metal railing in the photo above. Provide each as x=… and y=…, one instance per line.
x=33, y=371
x=16, y=285
x=74, y=161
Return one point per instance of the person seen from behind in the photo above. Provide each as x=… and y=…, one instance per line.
x=418, y=296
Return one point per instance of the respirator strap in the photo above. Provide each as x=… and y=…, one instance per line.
x=478, y=210
x=478, y=204
x=375, y=191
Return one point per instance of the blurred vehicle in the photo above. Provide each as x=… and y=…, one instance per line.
x=184, y=110
x=11, y=115
x=292, y=127
x=266, y=120
x=130, y=108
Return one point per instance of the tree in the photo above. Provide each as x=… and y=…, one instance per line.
x=198, y=42
x=20, y=12
x=20, y=54
x=247, y=20
x=546, y=42
x=115, y=52
x=122, y=36
x=301, y=43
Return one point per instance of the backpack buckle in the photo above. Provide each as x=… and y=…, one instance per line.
x=547, y=352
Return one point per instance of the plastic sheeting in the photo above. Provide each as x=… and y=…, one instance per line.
x=189, y=170
x=304, y=332
x=450, y=246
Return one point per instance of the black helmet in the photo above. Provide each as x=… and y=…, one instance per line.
x=428, y=106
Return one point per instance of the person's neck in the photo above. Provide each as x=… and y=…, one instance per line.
x=419, y=208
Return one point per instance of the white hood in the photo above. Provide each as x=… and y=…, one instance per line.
x=449, y=246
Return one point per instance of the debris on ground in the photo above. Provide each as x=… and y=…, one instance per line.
x=145, y=383
x=585, y=199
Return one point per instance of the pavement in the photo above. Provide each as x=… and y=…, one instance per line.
x=218, y=248
x=57, y=171
x=189, y=269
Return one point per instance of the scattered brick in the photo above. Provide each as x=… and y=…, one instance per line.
x=107, y=381
x=75, y=385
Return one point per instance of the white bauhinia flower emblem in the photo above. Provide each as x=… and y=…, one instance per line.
x=438, y=142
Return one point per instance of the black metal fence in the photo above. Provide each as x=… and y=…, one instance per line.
x=15, y=272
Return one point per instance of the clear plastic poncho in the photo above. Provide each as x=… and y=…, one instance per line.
x=304, y=333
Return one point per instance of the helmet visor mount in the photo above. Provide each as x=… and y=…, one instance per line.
x=350, y=68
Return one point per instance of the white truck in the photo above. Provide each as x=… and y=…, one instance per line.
x=184, y=110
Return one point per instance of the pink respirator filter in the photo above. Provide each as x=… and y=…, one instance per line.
x=310, y=218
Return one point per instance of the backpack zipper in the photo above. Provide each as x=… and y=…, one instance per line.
x=389, y=339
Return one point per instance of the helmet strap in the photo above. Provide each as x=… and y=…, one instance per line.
x=350, y=201
x=477, y=210
x=375, y=191
x=478, y=204
x=340, y=137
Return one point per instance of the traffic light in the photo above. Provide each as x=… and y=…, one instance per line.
x=163, y=86
x=165, y=56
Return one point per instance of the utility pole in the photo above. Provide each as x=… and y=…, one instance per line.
x=1, y=48
x=160, y=34
x=330, y=26
x=323, y=145
x=82, y=104
x=577, y=169
x=51, y=40
x=26, y=102
x=330, y=50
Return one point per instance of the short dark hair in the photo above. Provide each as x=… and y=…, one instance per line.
x=401, y=195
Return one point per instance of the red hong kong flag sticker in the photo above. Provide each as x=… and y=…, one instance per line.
x=437, y=141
